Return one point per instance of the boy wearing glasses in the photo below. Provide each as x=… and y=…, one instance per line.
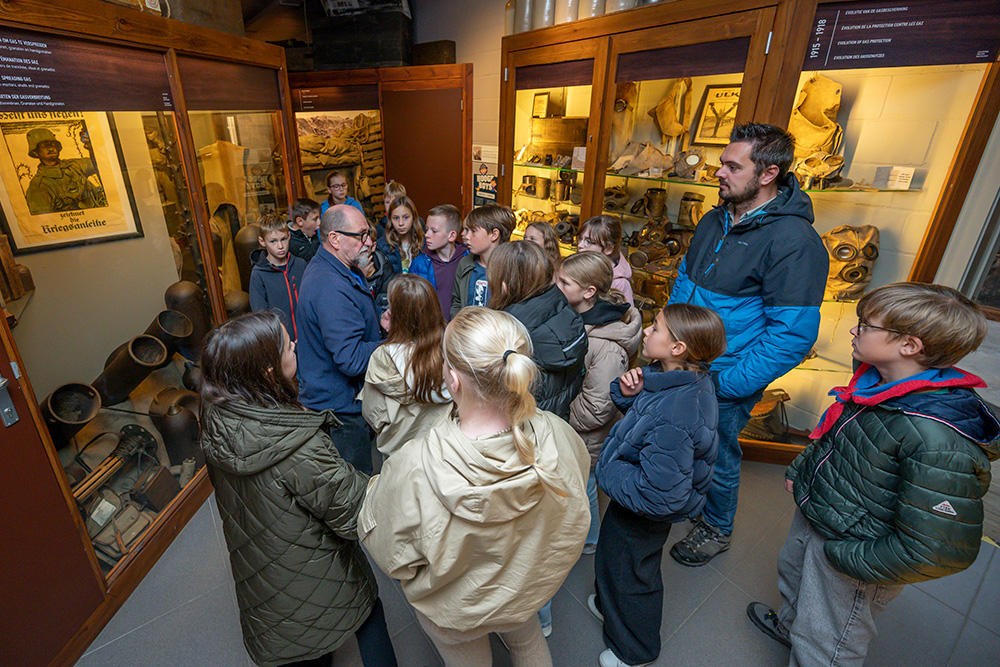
x=890, y=491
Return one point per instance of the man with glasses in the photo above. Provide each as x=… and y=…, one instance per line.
x=336, y=186
x=338, y=330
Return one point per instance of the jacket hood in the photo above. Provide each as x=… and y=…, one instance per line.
x=622, y=268
x=961, y=409
x=483, y=480
x=557, y=332
x=258, y=257
x=626, y=330
x=456, y=257
x=603, y=313
x=660, y=380
x=789, y=202
x=391, y=375
x=379, y=260
x=244, y=439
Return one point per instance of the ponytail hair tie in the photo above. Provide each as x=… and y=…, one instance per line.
x=507, y=354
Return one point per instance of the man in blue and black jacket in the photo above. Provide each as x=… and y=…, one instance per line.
x=756, y=260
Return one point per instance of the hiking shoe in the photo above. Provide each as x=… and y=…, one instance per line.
x=767, y=621
x=547, y=630
x=592, y=606
x=609, y=659
x=701, y=545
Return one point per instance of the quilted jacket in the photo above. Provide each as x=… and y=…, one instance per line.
x=896, y=488
x=559, y=346
x=289, y=508
x=658, y=460
x=613, y=336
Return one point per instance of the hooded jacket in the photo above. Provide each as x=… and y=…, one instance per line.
x=289, y=509
x=440, y=273
x=896, y=486
x=476, y=536
x=658, y=461
x=765, y=278
x=613, y=335
x=379, y=280
x=559, y=345
x=301, y=245
x=622, y=278
x=387, y=400
x=460, y=289
x=276, y=287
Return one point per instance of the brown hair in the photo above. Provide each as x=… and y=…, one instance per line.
x=700, y=329
x=551, y=241
x=302, y=207
x=333, y=174
x=270, y=222
x=416, y=231
x=517, y=271
x=949, y=324
x=451, y=215
x=393, y=190
x=418, y=323
x=241, y=361
x=492, y=350
x=605, y=231
x=593, y=269
x=492, y=217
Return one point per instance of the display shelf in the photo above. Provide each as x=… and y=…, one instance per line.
x=856, y=190
x=547, y=167
x=16, y=306
x=664, y=179
x=559, y=202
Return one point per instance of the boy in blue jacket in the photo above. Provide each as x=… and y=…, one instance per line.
x=276, y=273
x=656, y=465
x=890, y=491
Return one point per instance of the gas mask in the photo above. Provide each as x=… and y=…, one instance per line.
x=853, y=251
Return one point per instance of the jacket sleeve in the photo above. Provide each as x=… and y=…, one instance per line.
x=792, y=292
x=373, y=405
x=258, y=294
x=456, y=297
x=593, y=407
x=683, y=287
x=623, y=403
x=343, y=334
x=421, y=266
x=938, y=522
x=658, y=486
x=326, y=486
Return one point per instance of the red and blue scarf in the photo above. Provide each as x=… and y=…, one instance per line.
x=864, y=389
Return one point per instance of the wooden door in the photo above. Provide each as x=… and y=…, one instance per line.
x=51, y=580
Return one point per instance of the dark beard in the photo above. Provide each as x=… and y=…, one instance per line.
x=747, y=194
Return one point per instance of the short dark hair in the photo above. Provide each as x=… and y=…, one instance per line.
x=302, y=207
x=490, y=217
x=451, y=215
x=769, y=144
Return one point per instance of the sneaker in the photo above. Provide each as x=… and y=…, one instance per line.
x=609, y=659
x=767, y=621
x=589, y=549
x=592, y=606
x=546, y=630
x=701, y=545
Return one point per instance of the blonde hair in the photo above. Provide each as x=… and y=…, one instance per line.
x=516, y=272
x=493, y=351
x=593, y=269
x=416, y=235
x=393, y=190
x=948, y=323
x=551, y=242
x=700, y=329
x=270, y=222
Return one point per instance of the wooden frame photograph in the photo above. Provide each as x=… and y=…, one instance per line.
x=65, y=181
x=716, y=115
x=540, y=106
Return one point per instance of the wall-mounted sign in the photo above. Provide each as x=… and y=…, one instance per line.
x=858, y=35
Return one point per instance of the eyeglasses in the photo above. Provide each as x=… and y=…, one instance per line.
x=862, y=325
x=584, y=241
x=358, y=235
x=338, y=186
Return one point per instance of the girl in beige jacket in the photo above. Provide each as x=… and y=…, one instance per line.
x=404, y=390
x=483, y=517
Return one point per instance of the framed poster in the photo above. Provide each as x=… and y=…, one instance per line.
x=717, y=115
x=540, y=106
x=64, y=181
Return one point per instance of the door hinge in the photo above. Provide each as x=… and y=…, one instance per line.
x=462, y=103
x=463, y=190
x=767, y=49
x=17, y=370
x=503, y=169
x=504, y=73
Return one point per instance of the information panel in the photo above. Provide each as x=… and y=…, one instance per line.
x=858, y=35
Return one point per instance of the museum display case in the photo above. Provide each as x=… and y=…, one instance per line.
x=129, y=177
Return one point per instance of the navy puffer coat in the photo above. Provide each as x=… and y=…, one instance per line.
x=658, y=459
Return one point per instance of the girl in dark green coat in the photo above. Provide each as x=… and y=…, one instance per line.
x=288, y=503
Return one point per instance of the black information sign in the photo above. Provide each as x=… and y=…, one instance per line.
x=857, y=35
x=41, y=72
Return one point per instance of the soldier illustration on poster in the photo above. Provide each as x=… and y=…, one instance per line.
x=62, y=184
x=486, y=187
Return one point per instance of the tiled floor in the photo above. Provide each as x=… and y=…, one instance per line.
x=184, y=612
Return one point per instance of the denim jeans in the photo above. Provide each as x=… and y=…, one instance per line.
x=373, y=644
x=830, y=615
x=595, y=510
x=720, y=503
x=353, y=441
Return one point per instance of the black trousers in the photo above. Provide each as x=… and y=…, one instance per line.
x=354, y=441
x=373, y=644
x=629, y=584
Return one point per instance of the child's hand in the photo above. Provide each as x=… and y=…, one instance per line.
x=789, y=486
x=631, y=382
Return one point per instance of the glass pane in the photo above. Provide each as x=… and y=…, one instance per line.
x=240, y=160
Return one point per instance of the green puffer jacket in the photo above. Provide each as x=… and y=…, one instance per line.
x=289, y=508
x=896, y=488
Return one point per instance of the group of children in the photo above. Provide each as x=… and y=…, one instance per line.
x=506, y=394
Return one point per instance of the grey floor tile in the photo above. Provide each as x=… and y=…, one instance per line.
x=191, y=566
x=684, y=590
x=580, y=580
x=720, y=634
x=958, y=591
x=347, y=655
x=915, y=629
x=757, y=574
x=501, y=656
x=414, y=649
x=576, y=635
x=976, y=647
x=202, y=632
x=398, y=612
x=986, y=609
